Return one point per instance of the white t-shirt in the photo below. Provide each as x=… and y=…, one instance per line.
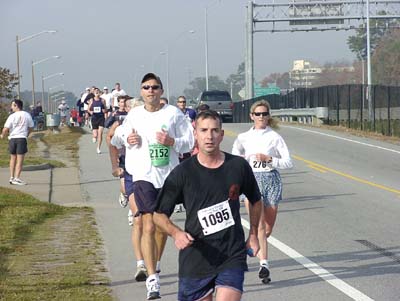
x=118, y=140
x=264, y=141
x=137, y=160
x=107, y=98
x=63, y=108
x=115, y=95
x=18, y=124
x=83, y=97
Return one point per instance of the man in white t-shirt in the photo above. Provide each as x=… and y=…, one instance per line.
x=156, y=134
x=107, y=96
x=18, y=125
x=115, y=93
x=84, y=105
x=63, y=108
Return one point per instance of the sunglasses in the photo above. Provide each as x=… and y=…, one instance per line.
x=153, y=87
x=261, y=114
x=181, y=101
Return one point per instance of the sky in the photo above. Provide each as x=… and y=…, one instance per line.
x=103, y=42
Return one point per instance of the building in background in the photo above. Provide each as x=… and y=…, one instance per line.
x=304, y=74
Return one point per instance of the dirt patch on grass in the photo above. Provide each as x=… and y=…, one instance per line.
x=62, y=260
x=60, y=145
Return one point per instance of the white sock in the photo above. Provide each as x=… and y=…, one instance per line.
x=158, y=266
x=264, y=262
x=139, y=262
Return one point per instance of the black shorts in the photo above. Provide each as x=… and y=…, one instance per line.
x=145, y=196
x=18, y=146
x=97, y=122
x=121, y=162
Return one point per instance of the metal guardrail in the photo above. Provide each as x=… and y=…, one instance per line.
x=304, y=115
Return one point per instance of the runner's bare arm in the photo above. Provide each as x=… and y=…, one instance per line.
x=255, y=214
x=111, y=132
x=182, y=239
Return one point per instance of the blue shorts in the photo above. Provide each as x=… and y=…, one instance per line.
x=191, y=289
x=128, y=184
x=270, y=185
x=145, y=196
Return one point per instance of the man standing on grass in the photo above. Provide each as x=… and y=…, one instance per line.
x=18, y=125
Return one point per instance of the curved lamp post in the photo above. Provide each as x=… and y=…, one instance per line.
x=33, y=75
x=45, y=78
x=166, y=53
x=51, y=97
x=18, y=41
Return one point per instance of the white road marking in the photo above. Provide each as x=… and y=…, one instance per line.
x=315, y=268
x=345, y=139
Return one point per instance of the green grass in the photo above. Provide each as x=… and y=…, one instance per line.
x=66, y=139
x=48, y=252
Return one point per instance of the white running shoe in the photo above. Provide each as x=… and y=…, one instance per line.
x=123, y=200
x=130, y=218
x=153, y=289
x=11, y=179
x=141, y=273
x=98, y=151
x=94, y=140
x=17, y=181
x=178, y=208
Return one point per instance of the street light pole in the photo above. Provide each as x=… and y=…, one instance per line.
x=369, y=66
x=206, y=44
x=206, y=40
x=18, y=76
x=43, y=79
x=33, y=76
x=166, y=53
x=18, y=41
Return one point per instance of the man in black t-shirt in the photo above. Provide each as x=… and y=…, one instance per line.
x=212, y=245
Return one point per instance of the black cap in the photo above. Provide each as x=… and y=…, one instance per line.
x=149, y=76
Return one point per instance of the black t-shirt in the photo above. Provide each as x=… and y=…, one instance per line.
x=198, y=187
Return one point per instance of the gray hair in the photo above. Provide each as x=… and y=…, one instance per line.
x=136, y=102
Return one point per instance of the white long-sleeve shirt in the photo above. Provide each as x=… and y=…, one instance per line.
x=264, y=141
x=137, y=159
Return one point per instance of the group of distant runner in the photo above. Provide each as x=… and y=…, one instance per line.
x=168, y=159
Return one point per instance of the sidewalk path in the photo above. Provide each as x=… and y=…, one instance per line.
x=102, y=191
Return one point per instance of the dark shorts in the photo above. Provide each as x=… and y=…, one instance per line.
x=97, y=122
x=128, y=183
x=121, y=162
x=18, y=146
x=145, y=196
x=198, y=288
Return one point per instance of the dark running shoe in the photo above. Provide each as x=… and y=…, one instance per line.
x=263, y=274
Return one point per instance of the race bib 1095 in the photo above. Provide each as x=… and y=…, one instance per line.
x=215, y=218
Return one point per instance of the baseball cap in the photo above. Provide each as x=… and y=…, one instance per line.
x=149, y=76
x=63, y=101
x=105, y=88
x=87, y=89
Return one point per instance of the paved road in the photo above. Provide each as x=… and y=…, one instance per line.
x=339, y=218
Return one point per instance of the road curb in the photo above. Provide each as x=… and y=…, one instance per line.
x=37, y=167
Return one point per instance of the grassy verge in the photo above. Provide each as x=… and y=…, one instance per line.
x=64, y=141
x=48, y=252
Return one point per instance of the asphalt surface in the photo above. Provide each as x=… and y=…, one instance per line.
x=336, y=235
